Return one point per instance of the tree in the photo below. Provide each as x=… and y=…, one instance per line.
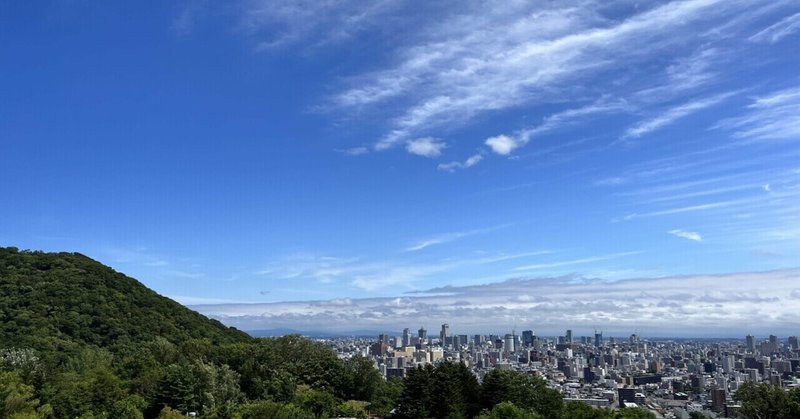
x=352, y=409
x=456, y=391
x=523, y=390
x=268, y=409
x=507, y=410
x=634, y=413
x=319, y=402
x=178, y=389
x=762, y=401
x=360, y=379
x=17, y=399
x=415, y=400
x=386, y=396
x=578, y=410
x=130, y=408
x=169, y=413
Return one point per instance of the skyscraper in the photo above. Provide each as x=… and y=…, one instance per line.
x=569, y=336
x=794, y=343
x=750, y=341
x=508, y=344
x=406, y=337
x=598, y=338
x=444, y=334
x=527, y=338
x=422, y=334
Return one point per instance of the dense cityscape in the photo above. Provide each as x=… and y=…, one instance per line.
x=670, y=377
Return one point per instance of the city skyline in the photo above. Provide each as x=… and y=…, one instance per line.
x=368, y=165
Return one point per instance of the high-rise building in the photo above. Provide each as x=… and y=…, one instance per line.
x=508, y=344
x=527, y=338
x=794, y=343
x=750, y=342
x=598, y=338
x=569, y=336
x=406, y=337
x=444, y=334
x=718, y=399
x=423, y=335
x=479, y=340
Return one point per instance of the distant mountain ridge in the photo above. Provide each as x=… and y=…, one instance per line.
x=63, y=300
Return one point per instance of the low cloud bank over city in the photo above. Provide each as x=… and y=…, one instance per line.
x=683, y=306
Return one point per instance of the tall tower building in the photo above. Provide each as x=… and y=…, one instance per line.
x=422, y=334
x=406, y=337
x=598, y=338
x=508, y=344
x=444, y=334
x=569, y=336
x=794, y=343
x=527, y=338
x=750, y=341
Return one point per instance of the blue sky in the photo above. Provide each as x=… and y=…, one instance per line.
x=365, y=153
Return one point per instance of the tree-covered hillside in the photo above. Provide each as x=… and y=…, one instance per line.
x=57, y=301
x=79, y=340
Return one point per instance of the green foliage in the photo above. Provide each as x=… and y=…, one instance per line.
x=267, y=409
x=766, y=401
x=578, y=410
x=447, y=390
x=318, y=402
x=634, y=413
x=507, y=410
x=87, y=384
x=360, y=379
x=17, y=399
x=130, y=407
x=352, y=409
x=386, y=397
x=170, y=413
x=60, y=301
x=523, y=390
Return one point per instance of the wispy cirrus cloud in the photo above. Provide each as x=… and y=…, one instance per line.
x=355, y=151
x=688, y=235
x=775, y=116
x=673, y=114
x=488, y=60
x=505, y=144
x=282, y=23
x=371, y=275
x=466, y=164
x=450, y=237
x=573, y=262
x=774, y=33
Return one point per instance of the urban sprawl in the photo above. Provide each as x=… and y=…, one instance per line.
x=671, y=377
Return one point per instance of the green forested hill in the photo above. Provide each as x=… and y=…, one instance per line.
x=62, y=300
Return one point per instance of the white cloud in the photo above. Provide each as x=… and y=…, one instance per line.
x=355, y=151
x=281, y=23
x=502, y=144
x=689, y=235
x=469, y=162
x=778, y=31
x=426, y=147
x=559, y=264
x=484, y=60
x=449, y=237
x=730, y=304
x=673, y=114
x=772, y=117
